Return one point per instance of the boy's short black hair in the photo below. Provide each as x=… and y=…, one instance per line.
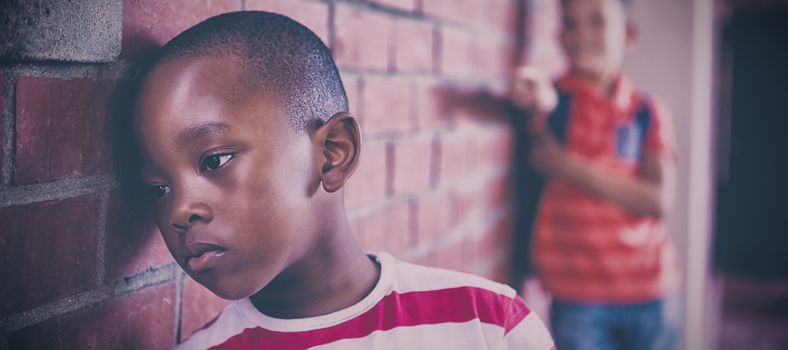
x=626, y=4
x=275, y=52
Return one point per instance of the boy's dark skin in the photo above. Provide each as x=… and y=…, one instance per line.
x=260, y=200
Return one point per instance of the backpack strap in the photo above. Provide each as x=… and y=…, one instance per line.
x=529, y=185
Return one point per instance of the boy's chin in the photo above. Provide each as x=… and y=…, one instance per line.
x=592, y=70
x=227, y=288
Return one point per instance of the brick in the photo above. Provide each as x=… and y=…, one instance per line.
x=313, y=15
x=453, y=150
x=149, y=24
x=433, y=106
x=501, y=271
x=47, y=251
x=496, y=60
x=425, y=260
x=62, y=128
x=432, y=218
x=467, y=13
x=387, y=230
x=140, y=320
x=200, y=306
x=468, y=254
x=353, y=92
x=406, y=5
x=494, y=238
x=471, y=151
x=134, y=243
x=449, y=256
x=2, y=112
x=452, y=10
x=412, y=165
x=496, y=147
x=369, y=181
x=458, y=54
x=54, y=30
x=501, y=15
x=498, y=193
x=469, y=200
x=362, y=39
x=387, y=106
x=413, y=46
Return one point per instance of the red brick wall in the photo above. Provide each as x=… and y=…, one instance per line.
x=433, y=186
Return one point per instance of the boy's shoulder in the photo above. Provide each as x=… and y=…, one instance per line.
x=411, y=304
x=410, y=277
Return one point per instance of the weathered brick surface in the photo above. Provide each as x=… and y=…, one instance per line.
x=148, y=24
x=353, y=90
x=47, y=30
x=500, y=15
x=362, y=39
x=47, y=251
x=432, y=217
x=494, y=57
x=2, y=110
x=456, y=11
x=387, y=106
x=368, y=185
x=313, y=15
x=134, y=243
x=449, y=256
x=431, y=185
x=433, y=106
x=140, y=320
x=489, y=243
x=62, y=128
x=454, y=155
x=412, y=165
x=388, y=230
x=406, y=5
x=496, y=146
x=200, y=307
x=414, y=46
x=458, y=53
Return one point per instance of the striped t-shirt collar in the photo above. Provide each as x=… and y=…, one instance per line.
x=381, y=289
x=623, y=96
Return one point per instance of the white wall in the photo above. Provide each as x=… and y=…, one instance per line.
x=673, y=60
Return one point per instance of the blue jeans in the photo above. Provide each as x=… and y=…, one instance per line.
x=644, y=326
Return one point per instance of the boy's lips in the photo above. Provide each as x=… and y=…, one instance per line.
x=202, y=255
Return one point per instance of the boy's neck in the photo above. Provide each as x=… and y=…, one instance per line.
x=334, y=275
x=605, y=83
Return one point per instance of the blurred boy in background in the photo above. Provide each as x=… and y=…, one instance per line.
x=606, y=157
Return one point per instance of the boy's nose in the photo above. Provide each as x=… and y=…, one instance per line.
x=183, y=227
x=187, y=212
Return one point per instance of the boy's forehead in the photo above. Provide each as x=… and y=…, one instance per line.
x=186, y=92
x=600, y=5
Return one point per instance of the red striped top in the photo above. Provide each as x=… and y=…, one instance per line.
x=589, y=249
x=411, y=307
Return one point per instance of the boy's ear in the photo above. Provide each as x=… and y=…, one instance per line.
x=338, y=142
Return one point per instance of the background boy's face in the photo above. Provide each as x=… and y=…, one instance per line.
x=595, y=34
x=234, y=180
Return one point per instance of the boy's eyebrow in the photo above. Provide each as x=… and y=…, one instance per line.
x=200, y=130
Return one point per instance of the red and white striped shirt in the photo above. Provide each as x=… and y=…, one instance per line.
x=411, y=307
x=587, y=248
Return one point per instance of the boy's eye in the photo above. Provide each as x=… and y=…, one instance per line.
x=213, y=162
x=569, y=24
x=159, y=191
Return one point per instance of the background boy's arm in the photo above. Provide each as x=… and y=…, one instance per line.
x=647, y=195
